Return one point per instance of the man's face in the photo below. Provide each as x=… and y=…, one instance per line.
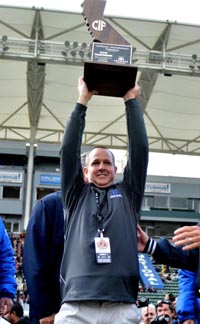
x=100, y=168
x=148, y=313
x=164, y=309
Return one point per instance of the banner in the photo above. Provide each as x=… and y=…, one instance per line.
x=148, y=275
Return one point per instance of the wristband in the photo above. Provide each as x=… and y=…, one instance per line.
x=150, y=246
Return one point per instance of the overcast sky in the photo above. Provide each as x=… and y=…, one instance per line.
x=163, y=164
x=172, y=10
x=183, y=11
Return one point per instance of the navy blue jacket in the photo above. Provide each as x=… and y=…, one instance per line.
x=43, y=250
x=165, y=252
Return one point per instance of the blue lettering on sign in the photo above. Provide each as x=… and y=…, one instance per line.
x=148, y=275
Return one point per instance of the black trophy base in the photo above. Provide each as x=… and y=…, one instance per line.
x=108, y=79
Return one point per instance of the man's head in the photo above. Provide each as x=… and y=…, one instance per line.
x=148, y=313
x=165, y=307
x=100, y=167
x=169, y=296
x=15, y=313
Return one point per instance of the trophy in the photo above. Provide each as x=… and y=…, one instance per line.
x=109, y=71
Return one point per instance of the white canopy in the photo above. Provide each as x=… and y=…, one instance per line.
x=38, y=81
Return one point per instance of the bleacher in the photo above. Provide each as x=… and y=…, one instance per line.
x=171, y=286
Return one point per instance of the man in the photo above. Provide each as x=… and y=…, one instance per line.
x=16, y=315
x=170, y=296
x=99, y=271
x=148, y=313
x=8, y=285
x=43, y=248
x=165, y=309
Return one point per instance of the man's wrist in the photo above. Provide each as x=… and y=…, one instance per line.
x=83, y=100
x=127, y=98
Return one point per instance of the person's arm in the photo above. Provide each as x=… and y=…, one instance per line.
x=136, y=169
x=186, y=302
x=167, y=253
x=70, y=154
x=43, y=248
x=8, y=285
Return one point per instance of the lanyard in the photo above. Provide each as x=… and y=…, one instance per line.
x=100, y=201
x=102, y=244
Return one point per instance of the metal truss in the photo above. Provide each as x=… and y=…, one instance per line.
x=149, y=62
x=116, y=141
x=73, y=53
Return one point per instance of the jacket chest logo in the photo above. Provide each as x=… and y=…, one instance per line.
x=115, y=194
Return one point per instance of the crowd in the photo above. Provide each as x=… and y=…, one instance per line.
x=172, y=309
x=18, y=246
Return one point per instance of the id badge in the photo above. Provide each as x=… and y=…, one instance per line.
x=102, y=249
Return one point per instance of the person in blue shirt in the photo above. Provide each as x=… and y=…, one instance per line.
x=8, y=284
x=188, y=303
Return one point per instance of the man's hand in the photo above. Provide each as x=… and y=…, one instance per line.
x=48, y=320
x=5, y=305
x=142, y=238
x=133, y=93
x=84, y=94
x=189, y=236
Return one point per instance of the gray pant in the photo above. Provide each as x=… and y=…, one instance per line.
x=98, y=313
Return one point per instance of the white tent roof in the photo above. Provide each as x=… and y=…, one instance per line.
x=38, y=84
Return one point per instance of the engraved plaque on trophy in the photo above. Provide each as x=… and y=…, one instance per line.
x=110, y=70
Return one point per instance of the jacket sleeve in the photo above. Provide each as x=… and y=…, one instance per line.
x=138, y=150
x=186, y=302
x=167, y=253
x=43, y=248
x=70, y=154
x=8, y=285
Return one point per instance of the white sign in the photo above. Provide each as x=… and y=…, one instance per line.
x=13, y=177
x=155, y=187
